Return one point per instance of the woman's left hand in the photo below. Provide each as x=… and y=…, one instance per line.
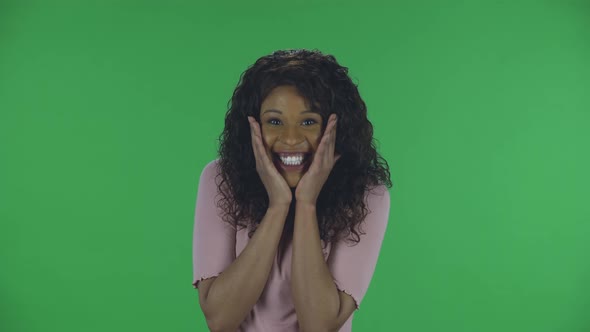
x=311, y=183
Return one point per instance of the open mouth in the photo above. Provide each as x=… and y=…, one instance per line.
x=304, y=164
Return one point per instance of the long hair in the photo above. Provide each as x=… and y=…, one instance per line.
x=326, y=85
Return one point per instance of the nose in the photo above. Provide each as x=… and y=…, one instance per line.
x=291, y=135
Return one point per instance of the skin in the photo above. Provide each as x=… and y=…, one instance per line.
x=320, y=306
x=289, y=130
x=318, y=303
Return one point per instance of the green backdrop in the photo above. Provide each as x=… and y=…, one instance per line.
x=109, y=110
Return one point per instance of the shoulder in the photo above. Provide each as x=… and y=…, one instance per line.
x=378, y=196
x=378, y=205
x=210, y=168
x=209, y=172
x=207, y=178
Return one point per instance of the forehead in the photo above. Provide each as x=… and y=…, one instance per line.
x=286, y=99
x=284, y=95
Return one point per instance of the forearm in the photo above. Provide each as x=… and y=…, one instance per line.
x=235, y=291
x=315, y=295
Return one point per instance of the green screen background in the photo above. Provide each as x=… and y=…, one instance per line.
x=109, y=110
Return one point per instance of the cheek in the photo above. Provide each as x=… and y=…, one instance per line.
x=268, y=139
x=315, y=139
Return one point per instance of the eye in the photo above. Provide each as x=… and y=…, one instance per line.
x=310, y=120
x=305, y=121
x=271, y=120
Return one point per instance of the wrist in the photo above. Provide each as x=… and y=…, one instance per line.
x=307, y=205
x=279, y=207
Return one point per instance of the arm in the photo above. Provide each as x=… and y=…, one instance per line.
x=316, y=298
x=234, y=292
x=349, y=268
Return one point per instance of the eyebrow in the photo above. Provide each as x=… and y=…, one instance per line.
x=277, y=111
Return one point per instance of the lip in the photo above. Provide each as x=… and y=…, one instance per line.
x=276, y=160
x=291, y=153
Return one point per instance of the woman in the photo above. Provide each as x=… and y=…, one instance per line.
x=299, y=174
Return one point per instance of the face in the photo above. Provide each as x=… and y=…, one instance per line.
x=288, y=125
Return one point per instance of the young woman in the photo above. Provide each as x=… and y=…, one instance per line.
x=298, y=175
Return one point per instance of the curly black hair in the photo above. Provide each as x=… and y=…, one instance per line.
x=326, y=85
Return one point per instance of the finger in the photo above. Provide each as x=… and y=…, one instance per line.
x=323, y=147
x=332, y=141
x=261, y=148
x=258, y=151
x=328, y=144
x=254, y=142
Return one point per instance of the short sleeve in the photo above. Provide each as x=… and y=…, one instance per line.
x=352, y=265
x=213, y=239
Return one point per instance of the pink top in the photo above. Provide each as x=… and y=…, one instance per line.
x=216, y=245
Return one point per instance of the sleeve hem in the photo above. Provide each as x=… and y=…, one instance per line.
x=203, y=277
x=356, y=302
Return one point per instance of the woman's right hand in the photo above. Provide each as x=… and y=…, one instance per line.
x=279, y=193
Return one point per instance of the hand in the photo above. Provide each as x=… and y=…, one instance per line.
x=279, y=192
x=310, y=185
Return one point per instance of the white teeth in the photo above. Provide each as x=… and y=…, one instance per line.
x=294, y=161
